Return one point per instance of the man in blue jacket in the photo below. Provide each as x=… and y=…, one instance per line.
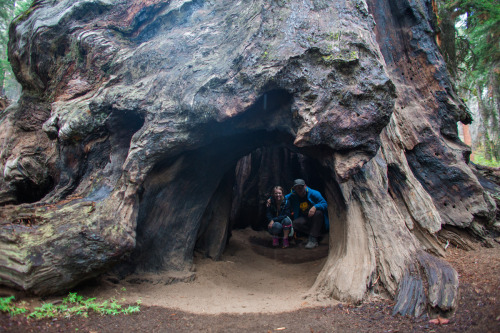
x=309, y=210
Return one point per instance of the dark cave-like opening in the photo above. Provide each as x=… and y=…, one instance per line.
x=192, y=200
x=245, y=189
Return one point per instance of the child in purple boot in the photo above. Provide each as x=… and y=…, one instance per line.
x=277, y=214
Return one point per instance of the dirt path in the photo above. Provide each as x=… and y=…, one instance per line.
x=251, y=277
x=245, y=292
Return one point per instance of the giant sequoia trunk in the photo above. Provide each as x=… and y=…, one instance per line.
x=139, y=118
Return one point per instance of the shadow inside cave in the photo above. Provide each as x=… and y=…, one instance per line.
x=192, y=201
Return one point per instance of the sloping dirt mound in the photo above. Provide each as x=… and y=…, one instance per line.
x=251, y=277
x=261, y=243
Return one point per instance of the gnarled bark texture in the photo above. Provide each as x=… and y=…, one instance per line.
x=147, y=129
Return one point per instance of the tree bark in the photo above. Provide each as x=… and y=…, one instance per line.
x=136, y=117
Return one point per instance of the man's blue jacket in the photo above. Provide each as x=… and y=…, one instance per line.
x=315, y=198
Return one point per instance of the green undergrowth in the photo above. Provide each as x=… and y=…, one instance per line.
x=73, y=305
x=481, y=160
x=7, y=306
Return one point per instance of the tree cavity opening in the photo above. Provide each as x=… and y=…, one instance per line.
x=193, y=200
x=247, y=187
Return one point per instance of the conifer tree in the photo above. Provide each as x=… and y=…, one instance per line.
x=470, y=38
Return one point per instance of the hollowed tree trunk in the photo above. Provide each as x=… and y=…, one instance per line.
x=138, y=118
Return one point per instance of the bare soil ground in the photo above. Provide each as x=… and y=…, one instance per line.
x=256, y=288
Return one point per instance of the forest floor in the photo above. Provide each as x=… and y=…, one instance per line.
x=256, y=288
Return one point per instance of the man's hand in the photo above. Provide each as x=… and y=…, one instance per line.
x=311, y=211
x=270, y=225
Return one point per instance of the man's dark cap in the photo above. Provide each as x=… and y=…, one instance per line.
x=299, y=182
